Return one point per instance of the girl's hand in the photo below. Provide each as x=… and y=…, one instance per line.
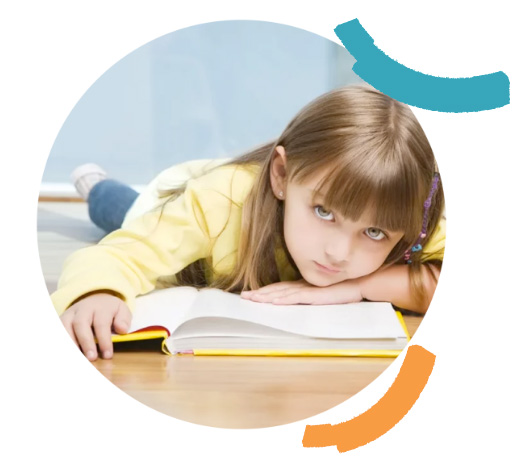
x=95, y=316
x=301, y=292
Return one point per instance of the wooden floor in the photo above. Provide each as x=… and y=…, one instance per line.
x=230, y=392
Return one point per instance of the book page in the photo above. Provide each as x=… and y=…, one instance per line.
x=358, y=320
x=166, y=308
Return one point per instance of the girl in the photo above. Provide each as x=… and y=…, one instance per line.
x=345, y=205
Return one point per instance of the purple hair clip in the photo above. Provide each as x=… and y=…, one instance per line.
x=423, y=234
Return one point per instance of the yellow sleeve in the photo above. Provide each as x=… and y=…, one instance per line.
x=171, y=178
x=130, y=260
x=435, y=247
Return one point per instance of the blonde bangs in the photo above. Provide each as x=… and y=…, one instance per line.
x=369, y=184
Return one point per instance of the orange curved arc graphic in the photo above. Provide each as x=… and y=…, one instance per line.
x=382, y=416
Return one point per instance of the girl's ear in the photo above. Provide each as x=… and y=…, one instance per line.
x=278, y=176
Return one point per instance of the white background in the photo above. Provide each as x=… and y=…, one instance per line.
x=477, y=401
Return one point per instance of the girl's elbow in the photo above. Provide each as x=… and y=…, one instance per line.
x=420, y=292
x=431, y=275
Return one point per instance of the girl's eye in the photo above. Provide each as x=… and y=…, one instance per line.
x=322, y=213
x=375, y=233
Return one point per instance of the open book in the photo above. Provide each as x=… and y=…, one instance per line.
x=213, y=322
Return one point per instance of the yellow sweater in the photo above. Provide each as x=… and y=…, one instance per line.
x=202, y=223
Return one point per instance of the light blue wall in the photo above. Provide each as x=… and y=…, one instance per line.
x=212, y=90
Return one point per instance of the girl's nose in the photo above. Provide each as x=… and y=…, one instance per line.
x=338, y=249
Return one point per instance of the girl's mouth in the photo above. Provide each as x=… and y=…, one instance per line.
x=327, y=269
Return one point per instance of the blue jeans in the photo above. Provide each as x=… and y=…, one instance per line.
x=109, y=202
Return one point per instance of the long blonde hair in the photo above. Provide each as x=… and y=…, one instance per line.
x=377, y=155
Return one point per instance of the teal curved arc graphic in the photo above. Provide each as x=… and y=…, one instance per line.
x=473, y=94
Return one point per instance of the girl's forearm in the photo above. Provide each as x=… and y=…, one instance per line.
x=393, y=285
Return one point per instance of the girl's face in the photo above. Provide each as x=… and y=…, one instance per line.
x=326, y=247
